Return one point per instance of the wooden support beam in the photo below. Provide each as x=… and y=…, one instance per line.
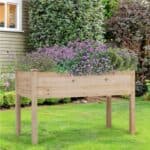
x=18, y=107
x=132, y=114
x=108, y=112
x=18, y=115
x=132, y=105
x=34, y=107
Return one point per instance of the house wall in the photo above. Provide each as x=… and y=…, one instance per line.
x=13, y=44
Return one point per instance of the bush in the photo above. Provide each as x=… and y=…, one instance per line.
x=41, y=101
x=129, y=27
x=110, y=7
x=7, y=82
x=25, y=101
x=148, y=85
x=57, y=22
x=9, y=99
x=147, y=96
x=1, y=100
x=52, y=100
x=57, y=100
x=36, y=60
x=66, y=100
x=140, y=88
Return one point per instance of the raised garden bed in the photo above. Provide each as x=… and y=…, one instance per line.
x=36, y=85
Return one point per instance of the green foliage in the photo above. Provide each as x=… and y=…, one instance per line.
x=52, y=100
x=1, y=100
x=110, y=7
x=25, y=101
x=35, y=60
x=123, y=59
x=148, y=85
x=41, y=101
x=129, y=27
x=9, y=99
x=147, y=96
x=66, y=100
x=7, y=82
x=140, y=88
x=57, y=22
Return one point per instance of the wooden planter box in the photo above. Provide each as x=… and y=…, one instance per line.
x=36, y=85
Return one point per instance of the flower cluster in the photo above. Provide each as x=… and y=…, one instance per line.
x=80, y=58
x=59, y=53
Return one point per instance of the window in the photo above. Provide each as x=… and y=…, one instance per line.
x=2, y=15
x=10, y=15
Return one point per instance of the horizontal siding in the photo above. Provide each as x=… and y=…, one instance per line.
x=13, y=44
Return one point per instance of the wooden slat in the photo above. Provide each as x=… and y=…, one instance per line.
x=58, y=85
x=61, y=86
x=24, y=83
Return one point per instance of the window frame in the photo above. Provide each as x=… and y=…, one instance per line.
x=18, y=4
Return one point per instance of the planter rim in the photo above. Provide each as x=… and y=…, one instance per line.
x=67, y=74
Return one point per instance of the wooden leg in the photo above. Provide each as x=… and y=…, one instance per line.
x=34, y=122
x=108, y=112
x=18, y=115
x=132, y=114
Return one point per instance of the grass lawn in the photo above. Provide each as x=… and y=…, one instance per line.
x=78, y=127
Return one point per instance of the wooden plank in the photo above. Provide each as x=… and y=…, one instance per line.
x=60, y=93
x=18, y=108
x=108, y=112
x=34, y=107
x=24, y=83
x=61, y=86
x=24, y=92
x=132, y=107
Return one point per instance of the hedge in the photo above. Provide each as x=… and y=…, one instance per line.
x=7, y=99
x=110, y=7
x=57, y=22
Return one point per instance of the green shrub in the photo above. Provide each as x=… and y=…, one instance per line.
x=41, y=101
x=66, y=100
x=52, y=100
x=148, y=85
x=110, y=7
x=7, y=81
x=147, y=96
x=129, y=27
x=9, y=99
x=57, y=22
x=35, y=60
x=140, y=88
x=1, y=100
x=25, y=101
